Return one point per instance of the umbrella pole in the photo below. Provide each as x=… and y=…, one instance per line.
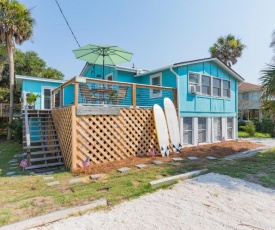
x=103, y=67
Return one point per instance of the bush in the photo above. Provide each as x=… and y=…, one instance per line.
x=240, y=125
x=249, y=128
x=258, y=126
x=268, y=127
x=16, y=127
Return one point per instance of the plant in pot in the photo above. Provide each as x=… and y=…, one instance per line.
x=31, y=99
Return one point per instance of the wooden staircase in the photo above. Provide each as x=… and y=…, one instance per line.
x=44, y=150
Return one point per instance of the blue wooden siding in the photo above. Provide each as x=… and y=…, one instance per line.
x=36, y=87
x=202, y=105
x=143, y=95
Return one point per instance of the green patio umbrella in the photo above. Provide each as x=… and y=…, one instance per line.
x=95, y=54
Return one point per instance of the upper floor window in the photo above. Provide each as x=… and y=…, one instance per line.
x=216, y=87
x=208, y=85
x=156, y=80
x=246, y=96
x=205, y=85
x=226, y=88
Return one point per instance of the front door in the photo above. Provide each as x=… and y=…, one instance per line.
x=47, y=98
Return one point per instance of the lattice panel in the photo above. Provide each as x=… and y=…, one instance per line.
x=63, y=124
x=105, y=138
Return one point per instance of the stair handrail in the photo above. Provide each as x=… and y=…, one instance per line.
x=27, y=129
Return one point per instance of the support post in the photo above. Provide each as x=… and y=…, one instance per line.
x=175, y=98
x=134, y=95
x=74, y=151
x=76, y=85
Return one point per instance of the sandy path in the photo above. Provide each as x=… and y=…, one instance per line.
x=210, y=201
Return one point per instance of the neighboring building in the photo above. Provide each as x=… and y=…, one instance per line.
x=207, y=92
x=249, y=101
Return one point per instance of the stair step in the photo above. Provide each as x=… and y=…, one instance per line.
x=41, y=146
x=40, y=130
x=43, y=152
x=42, y=135
x=44, y=165
x=46, y=158
x=39, y=141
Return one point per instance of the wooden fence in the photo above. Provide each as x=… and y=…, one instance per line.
x=104, y=138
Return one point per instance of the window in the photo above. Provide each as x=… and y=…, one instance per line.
x=187, y=131
x=205, y=84
x=208, y=85
x=230, y=128
x=246, y=96
x=156, y=80
x=226, y=88
x=216, y=87
x=202, y=129
x=57, y=99
x=194, y=80
x=217, y=129
x=109, y=77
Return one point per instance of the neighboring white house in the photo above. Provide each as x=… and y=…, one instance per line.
x=249, y=101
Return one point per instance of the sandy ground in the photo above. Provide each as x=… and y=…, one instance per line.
x=210, y=201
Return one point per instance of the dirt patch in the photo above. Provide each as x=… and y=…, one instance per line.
x=215, y=150
x=219, y=149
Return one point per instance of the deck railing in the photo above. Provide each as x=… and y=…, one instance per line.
x=5, y=109
x=94, y=92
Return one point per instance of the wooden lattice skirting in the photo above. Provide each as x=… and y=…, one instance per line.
x=104, y=138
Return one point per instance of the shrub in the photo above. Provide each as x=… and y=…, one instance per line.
x=249, y=128
x=240, y=125
x=16, y=127
x=268, y=127
x=258, y=126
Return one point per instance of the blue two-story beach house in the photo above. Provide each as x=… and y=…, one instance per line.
x=204, y=91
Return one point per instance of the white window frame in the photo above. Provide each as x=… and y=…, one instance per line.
x=110, y=75
x=215, y=78
x=199, y=85
x=181, y=131
x=42, y=95
x=159, y=94
x=210, y=86
x=229, y=90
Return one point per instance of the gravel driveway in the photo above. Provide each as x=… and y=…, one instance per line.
x=210, y=201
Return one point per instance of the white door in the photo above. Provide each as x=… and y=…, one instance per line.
x=46, y=98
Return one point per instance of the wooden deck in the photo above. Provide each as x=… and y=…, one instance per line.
x=5, y=110
x=104, y=132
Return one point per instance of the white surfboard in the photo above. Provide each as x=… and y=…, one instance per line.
x=162, y=131
x=172, y=124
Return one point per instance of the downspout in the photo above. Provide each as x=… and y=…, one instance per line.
x=178, y=105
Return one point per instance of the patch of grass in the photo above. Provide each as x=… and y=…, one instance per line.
x=28, y=195
x=5, y=216
x=258, y=169
x=257, y=134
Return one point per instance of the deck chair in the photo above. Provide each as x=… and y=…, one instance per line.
x=120, y=95
x=87, y=96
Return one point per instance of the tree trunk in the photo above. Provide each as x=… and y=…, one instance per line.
x=11, y=76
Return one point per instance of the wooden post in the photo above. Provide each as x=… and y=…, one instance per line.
x=76, y=84
x=61, y=96
x=134, y=95
x=175, y=98
x=73, y=153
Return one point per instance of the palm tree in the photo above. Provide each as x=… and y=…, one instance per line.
x=272, y=44
x=268, y=92
x=227, y=49
x=16, y=26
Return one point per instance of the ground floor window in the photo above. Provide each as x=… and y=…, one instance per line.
x=217, y=125
x=202, y=131
x=187, y=131
x=230, y=128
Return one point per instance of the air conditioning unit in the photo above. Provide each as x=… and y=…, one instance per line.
x=194, y=89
